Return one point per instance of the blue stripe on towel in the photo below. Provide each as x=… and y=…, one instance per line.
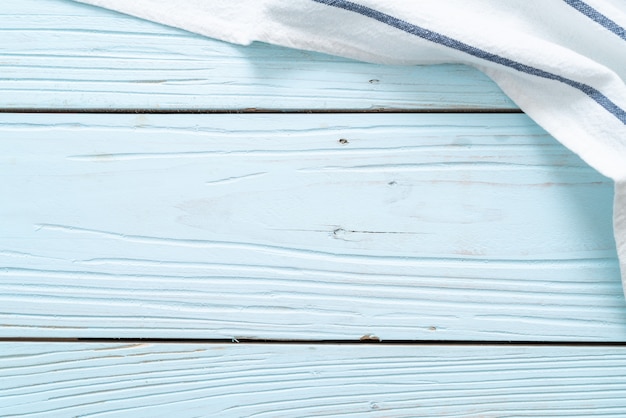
x=432, y=36
x=597, y=17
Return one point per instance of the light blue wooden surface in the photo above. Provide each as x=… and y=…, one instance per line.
x=480, y=227
x=416, y=227
x=191, y=380
x=62, y=54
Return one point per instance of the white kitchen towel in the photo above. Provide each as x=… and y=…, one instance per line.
x=562, y=61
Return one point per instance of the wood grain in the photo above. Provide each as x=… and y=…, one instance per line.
x=58, y=54
x=191, y=380
x=312, y=227
x=291, y=227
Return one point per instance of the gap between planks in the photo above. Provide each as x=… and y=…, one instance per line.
x=367, y=340
x=253, y=110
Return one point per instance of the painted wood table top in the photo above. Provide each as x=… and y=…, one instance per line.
x=193, y=228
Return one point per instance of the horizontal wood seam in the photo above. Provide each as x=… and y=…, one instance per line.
x=252, y=111
x=372, y=340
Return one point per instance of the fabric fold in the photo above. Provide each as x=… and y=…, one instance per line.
x=562, y=61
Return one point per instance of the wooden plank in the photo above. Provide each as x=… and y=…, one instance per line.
x=190, y=380
x=59, y=54
x=296, y=227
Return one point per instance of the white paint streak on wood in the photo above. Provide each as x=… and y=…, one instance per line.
x=419, y=227
x=63, y=55
x=189, y=380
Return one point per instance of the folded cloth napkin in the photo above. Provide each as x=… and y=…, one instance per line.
x=562, y=61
